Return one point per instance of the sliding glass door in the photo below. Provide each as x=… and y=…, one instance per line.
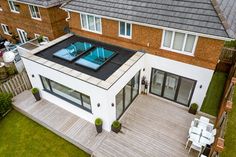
x=125, y=97
x=172, y=87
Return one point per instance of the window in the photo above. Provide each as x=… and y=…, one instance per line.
x=5, y=29
x=179, y=42
x=34, y=11
x=0, y=7
x=172, y=87
x=76, y=98
x=13, y=6
x=91, y=23
x=125, y=30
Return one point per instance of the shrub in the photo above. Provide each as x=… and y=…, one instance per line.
x=11, y=70
x=230, y=44
x=35, y=90
x=98, y=121
x=5, y=103
x=40, y=39
x=194, y=106
x=116, y=124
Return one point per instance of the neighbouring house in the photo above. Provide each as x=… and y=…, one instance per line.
x=22, y=20
x=116, y=49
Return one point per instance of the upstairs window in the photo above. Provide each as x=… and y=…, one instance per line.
x=0, y=7
x=13, y=6
x=125, y=29
x=91, y=23
x=34, y=11
x=179, y=42
x=5, y=29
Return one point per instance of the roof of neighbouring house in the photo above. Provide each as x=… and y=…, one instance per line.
x=226, y=10
x=44, y=3
x=191, y=15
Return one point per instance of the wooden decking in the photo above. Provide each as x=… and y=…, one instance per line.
x=67, y=125
x=151, y=128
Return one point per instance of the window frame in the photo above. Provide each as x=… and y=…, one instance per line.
x=125, y=36
x=50, y=90
x=12, y=6
x=4, y=26
x=87, y=23
x=184, y=43
x=31, y=12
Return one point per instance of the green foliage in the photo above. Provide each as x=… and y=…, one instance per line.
x=214, y=94
x=98, y=121
x=40, y=39
x=35, y=90
x=194, y=106
x=11, y=70
x=116, y=124
x=22, y=137
x=230, y=44
x=5, y=103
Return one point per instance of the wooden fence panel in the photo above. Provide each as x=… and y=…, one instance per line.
x=16, y=84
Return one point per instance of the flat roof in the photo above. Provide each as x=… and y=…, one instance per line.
x=102, y=73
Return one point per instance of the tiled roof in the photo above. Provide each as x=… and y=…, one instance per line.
x=227, y=13
x=44, y=3
x=190, y=15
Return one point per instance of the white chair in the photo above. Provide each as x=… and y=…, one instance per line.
x=203, y=156
x=195, y=130
x=196, y=146
x=214, y=132
x=192, y=138
x=194, y=123
x=207, y=134
x=209, y=127
x=204, y=119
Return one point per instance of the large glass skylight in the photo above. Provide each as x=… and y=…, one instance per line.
x=95, y=58
x=73, y=51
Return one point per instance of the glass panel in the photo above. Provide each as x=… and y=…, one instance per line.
x=128, y=33
x=171, y=86
x=98, y=24
x=185, y=90
x=66, y=92
x=119, y=104
x=189, y=43
x=91, y=23
x=157, y=81
x=178, y=41
x=167, y=39
x=45, y=83
x=135, y=83
x=128, y=94
x=86, y=101
x=84, y=23
x=122, y=28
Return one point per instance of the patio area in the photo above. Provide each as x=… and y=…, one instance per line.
x=151, y=127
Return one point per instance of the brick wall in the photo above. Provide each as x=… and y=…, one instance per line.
x=52, y=21
x=206, y=54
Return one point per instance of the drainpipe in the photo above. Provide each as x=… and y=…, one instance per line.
x=68, y=16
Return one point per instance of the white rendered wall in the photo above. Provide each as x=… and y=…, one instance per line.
x=201, y=75
x=106, y=97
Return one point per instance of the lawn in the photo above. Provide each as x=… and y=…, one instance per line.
x=212, y=100
x=22, y=137
x=230, y=136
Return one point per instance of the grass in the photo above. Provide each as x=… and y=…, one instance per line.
x=230, y=136
x=212, y=100
x=22, y=137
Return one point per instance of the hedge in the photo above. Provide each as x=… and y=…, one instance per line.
x=5, y=103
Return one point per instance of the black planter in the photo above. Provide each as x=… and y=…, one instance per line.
x=99, y=128
x=116, y=130
x=192, y=111
x=37, y=96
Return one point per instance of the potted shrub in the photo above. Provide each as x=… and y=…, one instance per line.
x=116, y=126
x=40, y=39
x=98, y=124
x=36, y=94
x=193, y=108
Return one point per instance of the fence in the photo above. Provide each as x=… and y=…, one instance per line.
x=16, y=84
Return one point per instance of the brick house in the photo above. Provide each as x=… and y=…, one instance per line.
x=27, y=19
x=115, y=47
